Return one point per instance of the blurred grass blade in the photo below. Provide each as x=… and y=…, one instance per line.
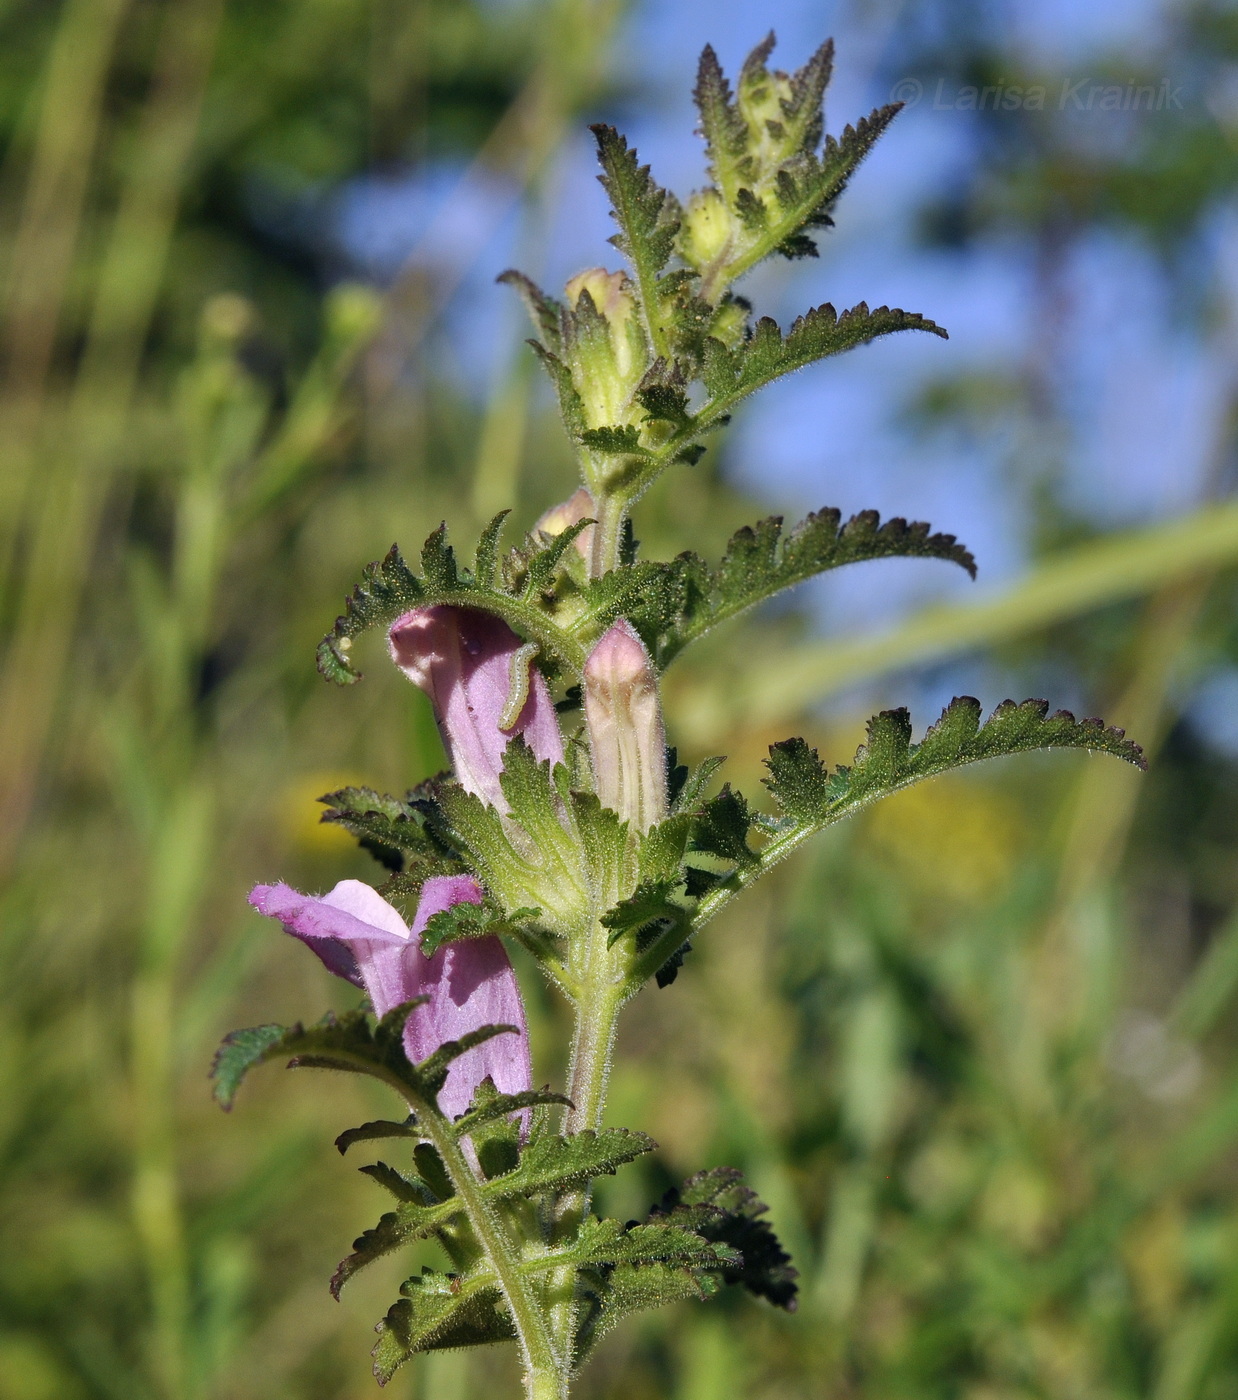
x=1212, y=985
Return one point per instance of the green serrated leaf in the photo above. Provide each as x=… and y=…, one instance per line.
x=719, y=1207
x=819, y=181
x=390, y=588
x=438, y=563
x=409, y=1190
x=798, y=779
x=542, y=560
x=463, y=920
x=532, y=795
x=387, y=589
x=554, y=1163
x=433, y=1172
x=238, y=1053
x=621, y=441
x=376, y=1130
x=721, y=829
x=440, y=1312
x=647, y=225
x=409, y=1222
x=546, y=877
x=389, y=828
x=812, y=799
x=609, y=1242
x=432, y=1071
x=888, y=760
x=693, y=791
x=545, y=312
x=571, y=408
x=761, y=561
x=574, y=851
x=650, y=594
x=547, y=1163
x=351, y=1042
x=488, y=1104
x=801, y=115
x=664, y=403
x=485, y=560
x=731, y=376
x=661, y=849
x=629, y=1288
x=651, y=903
x=726, y=136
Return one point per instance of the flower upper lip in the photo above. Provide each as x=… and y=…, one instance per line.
x=463, y=659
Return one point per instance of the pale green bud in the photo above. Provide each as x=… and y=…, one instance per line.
x=705, y=234
x=730, y=324
x=608, y=355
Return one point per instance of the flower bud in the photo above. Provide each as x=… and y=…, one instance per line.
x=626, y=736
x=706, y=229
x=730, y=324
x=610, y=293
x=475, y=670
x=578, y=506
x=606, y=348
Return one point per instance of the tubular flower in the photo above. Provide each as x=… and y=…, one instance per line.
x=475, y=670
x=470, y=983
x=626, y=735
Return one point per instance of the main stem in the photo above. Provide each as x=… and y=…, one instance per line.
x=611, y=511
x=545, y=1374
x=597, y=1017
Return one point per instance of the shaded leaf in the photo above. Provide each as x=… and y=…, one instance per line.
x=721, y=829
x=545, y=311
x=719, y=1207
x=376, y=1130
x=439, y=1312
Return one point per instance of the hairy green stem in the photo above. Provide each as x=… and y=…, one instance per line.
x=545, y=1374
x=593, y=1040
x=612, y=511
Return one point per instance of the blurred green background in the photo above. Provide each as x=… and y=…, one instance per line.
x=978, y=1050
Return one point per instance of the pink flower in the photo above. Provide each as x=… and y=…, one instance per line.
x=471, y=983
x=474, y=668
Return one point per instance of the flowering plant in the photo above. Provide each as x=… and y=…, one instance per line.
x=600, y=855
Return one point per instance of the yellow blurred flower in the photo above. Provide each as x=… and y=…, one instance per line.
x=953, y=838
x=300, y=814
